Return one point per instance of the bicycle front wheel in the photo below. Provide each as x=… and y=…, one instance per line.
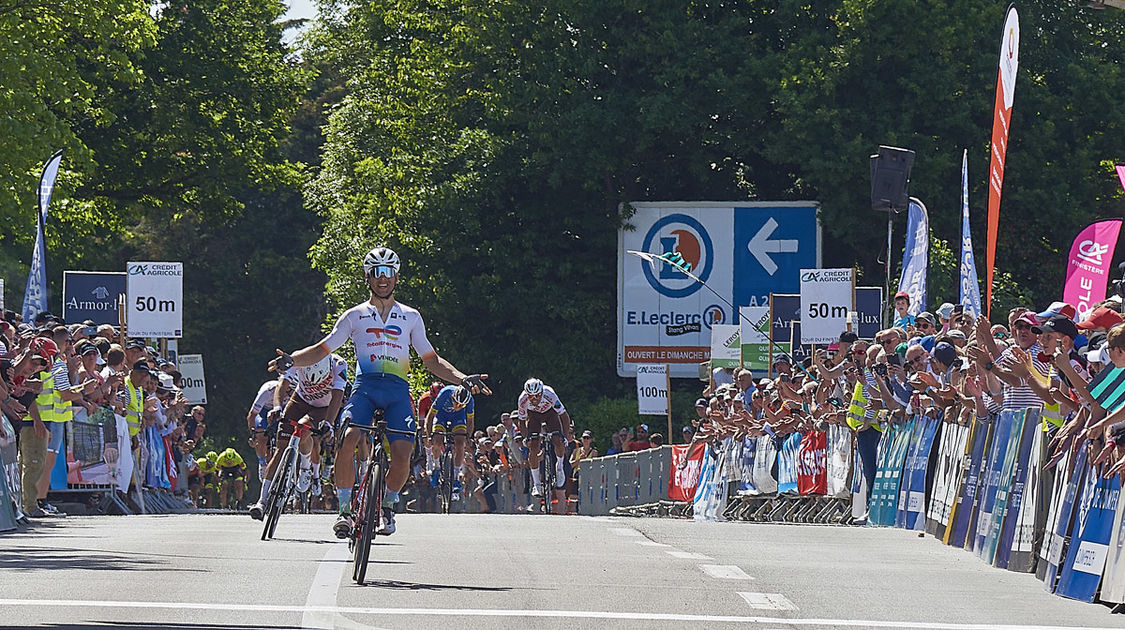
x=369, y=520
x=446, y=481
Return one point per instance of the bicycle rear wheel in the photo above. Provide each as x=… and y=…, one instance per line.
x=547, y=474
x=369, y=522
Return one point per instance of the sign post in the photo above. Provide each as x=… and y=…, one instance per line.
x=827, y=297
x=154, y=307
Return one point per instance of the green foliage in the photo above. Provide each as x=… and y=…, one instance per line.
x=491, y=144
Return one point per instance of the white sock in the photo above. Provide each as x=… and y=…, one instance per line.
x=535, y=476
x=265, y=490
x=316, y=469
x=306, y=461
x=559, y=469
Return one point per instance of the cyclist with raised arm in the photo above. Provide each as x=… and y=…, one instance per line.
x=383, y=331
x=539, y=410
x=312, y=395
x=452, y=411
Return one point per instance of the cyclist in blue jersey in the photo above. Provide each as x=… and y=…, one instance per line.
x=452, y=411
x=383, y=331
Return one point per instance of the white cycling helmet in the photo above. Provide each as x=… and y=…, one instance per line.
x=317, y=372
x=533, y=386
x=461, y=396
x=381, y=257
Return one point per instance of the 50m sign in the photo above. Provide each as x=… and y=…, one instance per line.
x=154, y=300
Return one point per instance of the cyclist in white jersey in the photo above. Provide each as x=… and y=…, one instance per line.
x=317, y=393
x=540, y=410
x=383, y=331
x=260, y=420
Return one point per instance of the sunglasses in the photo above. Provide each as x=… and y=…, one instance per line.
x=383, y=271
x=924, y=325
x=1000, y=335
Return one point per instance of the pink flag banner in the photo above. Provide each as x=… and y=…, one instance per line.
x=1121, y=174
x=1087, y=272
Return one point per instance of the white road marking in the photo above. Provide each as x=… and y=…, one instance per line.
x=687, y=555
x=625, y=531
x=768, y=601
x=325, y=585
x=556, y=614
x=725, y=572
x=650, y=543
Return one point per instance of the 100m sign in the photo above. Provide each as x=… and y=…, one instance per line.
x=652, y=392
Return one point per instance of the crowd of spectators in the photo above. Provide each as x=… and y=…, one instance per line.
x=944, y=362
x=56, y=379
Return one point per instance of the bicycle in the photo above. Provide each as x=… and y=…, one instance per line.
x=286, y=484
x=367, y=496
x=547, y=469
x=446, y=476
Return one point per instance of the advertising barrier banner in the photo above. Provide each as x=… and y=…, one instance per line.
x=812, y=466
x=1081, y=572
x=687, y=461
x=787, y=460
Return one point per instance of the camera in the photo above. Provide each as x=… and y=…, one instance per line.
x=894, y=359
x=835, y=402
x=90, y=331
x=880, y=369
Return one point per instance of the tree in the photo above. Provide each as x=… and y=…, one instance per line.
x=493, y=144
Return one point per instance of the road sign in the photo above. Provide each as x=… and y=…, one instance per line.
x=92, y=295
x=194, y=383
x=155, y=299
x=742, y=251
x=827, y=296
x=652, y=390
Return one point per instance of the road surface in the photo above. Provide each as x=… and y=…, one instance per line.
x=509, y=571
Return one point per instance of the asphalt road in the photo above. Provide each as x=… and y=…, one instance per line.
x=517, y=571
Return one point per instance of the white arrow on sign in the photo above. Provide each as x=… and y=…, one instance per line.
x=761, y=247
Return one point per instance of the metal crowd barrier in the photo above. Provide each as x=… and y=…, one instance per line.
x=624, y=480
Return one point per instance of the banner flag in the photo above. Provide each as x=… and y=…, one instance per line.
x=1121, y=174
x=683, y=477
x=1002, y=117
x=35, y=295
x=915, y=258
x=1087, y=271
x=970, y=282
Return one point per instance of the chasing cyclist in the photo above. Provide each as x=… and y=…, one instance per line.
x=317, y=393
x=383, y=331
x=452, y=410
x=261, y=421
x=232, y=475
x=539, y=410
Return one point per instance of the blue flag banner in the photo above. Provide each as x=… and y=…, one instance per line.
x=35, y=295
x=970, y=286
x=915, y=258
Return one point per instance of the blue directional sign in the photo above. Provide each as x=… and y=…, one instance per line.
x=773, y=242
x=92, y=295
